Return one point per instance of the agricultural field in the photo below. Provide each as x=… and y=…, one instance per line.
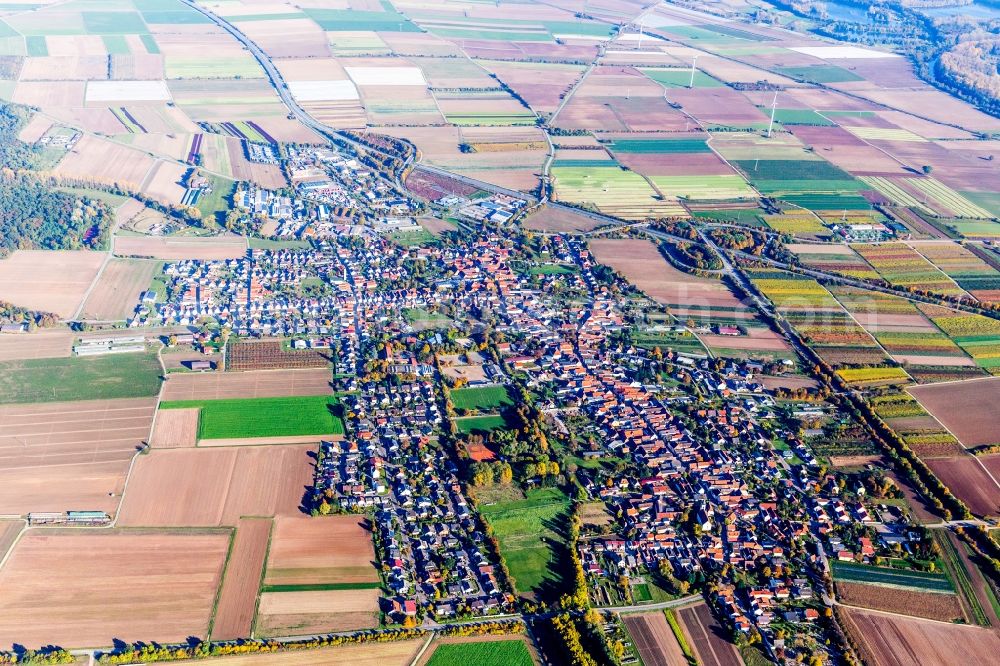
x=49, y=281
x=893, y=640
x=393, y=653
x=819, y=318
x=640, y=262
x=902, y=266
x=834, y=259
x=238, y=595
x=904, y=601
x=706, y=636
x=116, y=292
x=219, y=485
x=252, y=384
x=967, y=269
x=968, y=409
x=611, y=190
x=263, y=418
x=530, y=534
x=132, y=375
x=654, y=639
x=977, y=335
x=319, y=575
x=883, y=576
x=507, y=652
x=78, y=453
x=86, y=588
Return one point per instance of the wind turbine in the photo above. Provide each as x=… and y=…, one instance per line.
x=774, y=106
x=694, y=61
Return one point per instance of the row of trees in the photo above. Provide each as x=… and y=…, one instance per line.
x=141, y=652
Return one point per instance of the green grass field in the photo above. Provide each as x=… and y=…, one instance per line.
x=819, y=73
x=264, y=417
x=529, y=534
x=185, y=67
x=114, y=23
x=861, y=573
x=799, y=117
x=794, y=170
x=659, y=146
x=680, y=77
x=481, y=397
x=484, y=424
x=509, y=652
x=79, y=378
x=351, y=20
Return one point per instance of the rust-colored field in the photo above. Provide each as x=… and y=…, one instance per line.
x=69, y=455
x=238, y=599
x=893, y=640
x=330, y=549
x=55, y=343
x=708, y=637
x=84, y=589
x=969, y=482
x=548, y=218
x=173, y=249
x=259, y=384
x=929, y=605
x=395, y=653
x=215, y=486
x=48, y=280
x=654, y=639
x=175, y=429
x=117, y=291
x=968, y=409
x=295, y=613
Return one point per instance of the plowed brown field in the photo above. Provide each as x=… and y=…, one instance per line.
x=261, y=384
x=655, y=640
x=238, y=599
x=215, y=486
x=84, y=589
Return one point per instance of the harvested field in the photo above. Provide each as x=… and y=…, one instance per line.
x=55, y=343
x=395, y=653
x=116, y=293
x=218, y=485
x=175, y=429
x=238, y=598
x=100, y=160
x=83, y=589
x=59, y=456
x=967, y=479
x=316, y=611
x=259, y=384
x=967, y=409
x=654, y=639
x=48, y=280
x=331, y=550
x=933, y=606
x=65, y=433
x=708, y=639
x=173, y=249
x=562, y=220
x=899, y=641
x=642, y=264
